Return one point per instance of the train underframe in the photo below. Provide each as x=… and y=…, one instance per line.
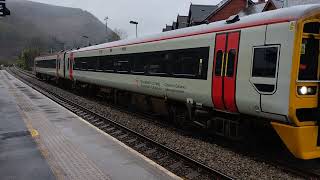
x=181, y=114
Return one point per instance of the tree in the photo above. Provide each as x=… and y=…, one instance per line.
x=118, y=34
x=26, y=58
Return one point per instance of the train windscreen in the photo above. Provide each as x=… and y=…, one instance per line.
x=309, y=55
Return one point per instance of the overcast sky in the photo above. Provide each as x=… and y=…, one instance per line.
x=152, y=15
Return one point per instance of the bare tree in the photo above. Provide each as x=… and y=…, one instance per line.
x=121, y=33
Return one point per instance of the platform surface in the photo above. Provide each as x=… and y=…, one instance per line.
x=63, y=145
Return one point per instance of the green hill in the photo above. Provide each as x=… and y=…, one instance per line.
x=47, y=27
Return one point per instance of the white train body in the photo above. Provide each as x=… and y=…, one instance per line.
x=245, y=88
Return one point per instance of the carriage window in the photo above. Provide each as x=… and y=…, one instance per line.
x=230, y=65
x=265, y=62
x=309, y=59
x=186, y=66
x=157, y=64
x=84, y=66
x=77, y=64
x=181, y=63
x=106, y=64
x=218, y=66
x=91, y=63
x=47, y=63
x=122, y=66
x=139, y=64
x=98, y=65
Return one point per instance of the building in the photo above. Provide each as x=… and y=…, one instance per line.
x=198, y=13
x=256, y=8
x=167, y=28
x=277, y=4
x=227, y=8
x=269, y=5
x=182, y=22
x=201, y=14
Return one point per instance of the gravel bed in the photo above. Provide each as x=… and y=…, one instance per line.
x=215, y=156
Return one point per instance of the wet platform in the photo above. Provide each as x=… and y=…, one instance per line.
x=40, y=139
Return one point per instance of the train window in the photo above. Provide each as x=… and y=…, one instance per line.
x=186, y=66
x=184, y=63
x=309, y=59
x=265, y=61
x=51, y=63
x=91, y=63
x=139, y=63
x=84, y=66
x=106, y=64
x=68, y=64
x=98, y=66
x=122, y=66
x=312, y=27
x=219, y=59
x=77, y=64
x=230, y=65
x=157, y=63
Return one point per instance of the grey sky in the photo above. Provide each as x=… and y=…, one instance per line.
x=152, y=15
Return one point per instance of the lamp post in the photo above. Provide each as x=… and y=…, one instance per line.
x=106, y=19
x=136, y=23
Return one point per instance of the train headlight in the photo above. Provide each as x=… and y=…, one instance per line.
x=304, y=90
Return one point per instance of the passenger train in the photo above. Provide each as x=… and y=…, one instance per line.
x=259, y=68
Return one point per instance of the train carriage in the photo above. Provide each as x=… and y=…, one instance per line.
x=45, y=66
x=261, y=67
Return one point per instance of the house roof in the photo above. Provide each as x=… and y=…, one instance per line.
x=182, y=21
x=300, y=2
x=277, y=3
x=258, y=8
x=167, y=28
x=253, y=9
x=174, y=25
x=198, y=13
x=280, y=3
x=221, y=5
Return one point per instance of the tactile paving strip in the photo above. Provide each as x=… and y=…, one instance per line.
x=65, y=160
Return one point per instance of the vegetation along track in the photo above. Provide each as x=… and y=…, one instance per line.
x=174, y=161
x=167, y=158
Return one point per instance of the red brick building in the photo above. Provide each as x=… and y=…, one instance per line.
x=227, y=8
x=201, y=14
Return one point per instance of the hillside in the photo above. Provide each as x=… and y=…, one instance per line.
x=33, y=24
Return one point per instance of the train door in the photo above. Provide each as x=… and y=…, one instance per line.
x=64, y=65
x=224, y=73
x=57, y=66
x=70, y=65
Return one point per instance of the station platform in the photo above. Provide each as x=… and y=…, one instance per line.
x=40, y=139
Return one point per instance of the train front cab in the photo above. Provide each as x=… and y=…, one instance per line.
x=302, y=136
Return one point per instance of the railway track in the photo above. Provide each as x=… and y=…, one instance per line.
x=177, y=163
x=172, y=160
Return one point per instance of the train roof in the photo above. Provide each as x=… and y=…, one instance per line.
x=269, y=17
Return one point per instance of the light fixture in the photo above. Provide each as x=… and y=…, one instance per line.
x=307, y=90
